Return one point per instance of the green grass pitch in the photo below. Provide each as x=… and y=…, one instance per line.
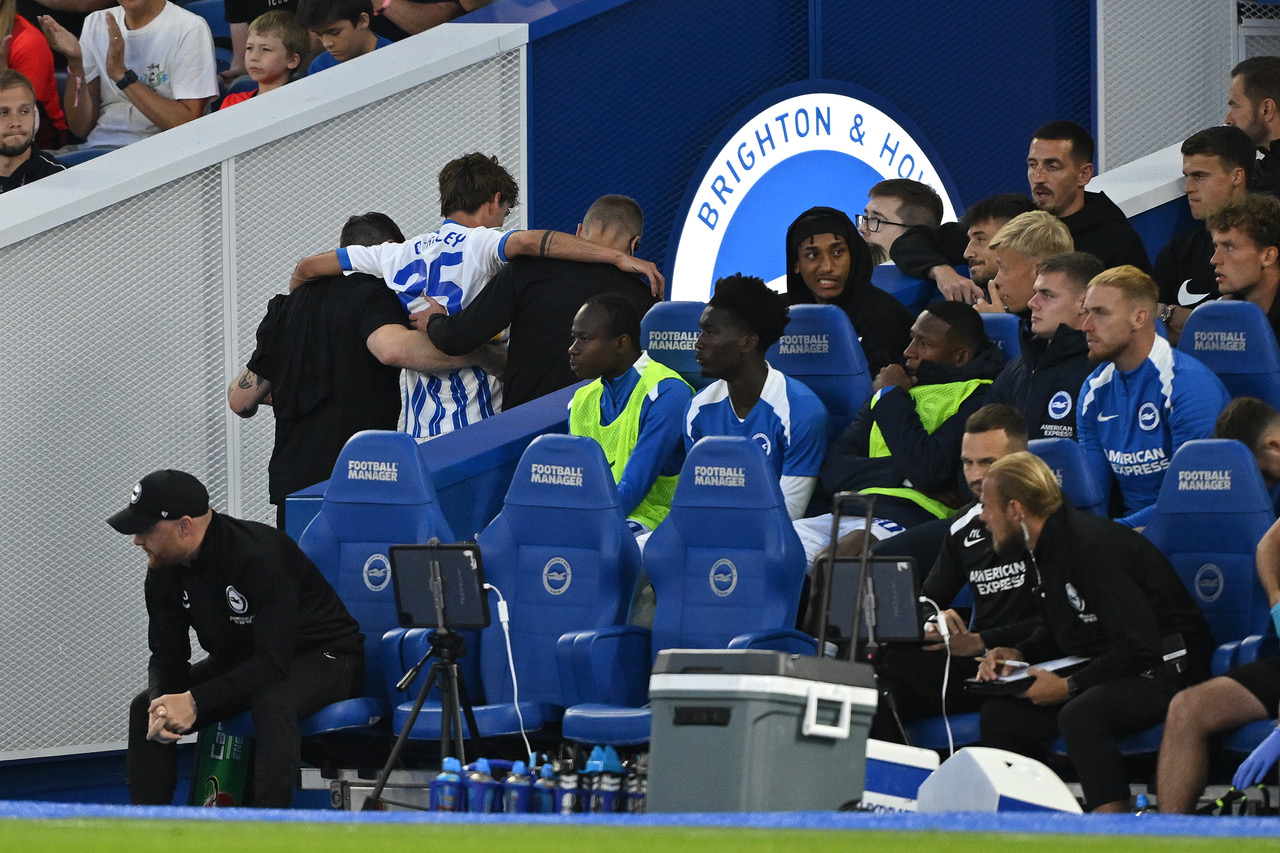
x=137, y=836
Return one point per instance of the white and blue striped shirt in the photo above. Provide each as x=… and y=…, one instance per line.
x=451, y=265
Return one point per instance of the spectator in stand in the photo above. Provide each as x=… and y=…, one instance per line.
x=1246, y=252
x=21, y=162
x=108, y=103
x=1253, y=105
x=1216, y=164
x=893, y=206
x=933, y=253
x=24, y=49
x=828, y=262
x=274, y=48
x=342, y=27
x=239, y=14
x=399, y=19
x=1044, y=381
x=1019, y=248
x=1059, y=165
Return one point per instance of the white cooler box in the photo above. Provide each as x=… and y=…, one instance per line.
x=752, y=730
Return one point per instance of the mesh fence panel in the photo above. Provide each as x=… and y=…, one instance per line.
x=1163, y=75
x=118, y=376
x=126, y=371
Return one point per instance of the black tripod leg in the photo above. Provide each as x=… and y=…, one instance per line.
x=371, y=803
x=467, y=708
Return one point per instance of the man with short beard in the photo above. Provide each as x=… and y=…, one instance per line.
x=1106, y=594
x=1145, y=399
x=1253, y=105
x=21, y=162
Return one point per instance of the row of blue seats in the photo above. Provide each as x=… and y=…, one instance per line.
x=726, y=568
x=1233, y=339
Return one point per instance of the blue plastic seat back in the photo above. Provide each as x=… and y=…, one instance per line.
x=379, y=496
x=726, y=560
x=668, y=332
x=1235, y=341
x=1063, y=456
x=821, y=350
x=1210, y=514
x=1003, y=331
x=562, y=554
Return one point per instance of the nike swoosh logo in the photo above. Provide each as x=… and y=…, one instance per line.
x=974, y=537
x=1187, y=297
x=1107, y=417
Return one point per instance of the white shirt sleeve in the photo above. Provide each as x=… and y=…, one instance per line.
x=797, y=491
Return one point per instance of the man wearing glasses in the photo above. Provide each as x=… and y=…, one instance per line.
x=893, y=206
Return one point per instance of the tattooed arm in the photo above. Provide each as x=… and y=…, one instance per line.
x=246, y=391
x=557, y=244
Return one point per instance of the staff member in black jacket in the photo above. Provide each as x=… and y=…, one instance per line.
x=279, y=639
x=1105, y=593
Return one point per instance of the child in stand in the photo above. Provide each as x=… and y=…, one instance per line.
x=274, y=49
x=342, y=27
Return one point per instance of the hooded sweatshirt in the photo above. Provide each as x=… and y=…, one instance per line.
x=881, y=322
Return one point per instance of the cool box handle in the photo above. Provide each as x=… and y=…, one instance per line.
x=825, y=693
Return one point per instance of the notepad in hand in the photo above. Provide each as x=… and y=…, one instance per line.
x=1019, y=680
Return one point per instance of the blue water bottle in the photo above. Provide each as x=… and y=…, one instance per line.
x=589, y=778
x=447, y=793
x=517, y=789
x=542, y=799
x=568, y=794
x=483, y=793
x=606, y=790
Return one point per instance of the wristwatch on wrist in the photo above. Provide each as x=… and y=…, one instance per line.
x=127, y=80
x=1166, y=313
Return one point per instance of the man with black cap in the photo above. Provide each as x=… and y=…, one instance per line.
x=279, y=640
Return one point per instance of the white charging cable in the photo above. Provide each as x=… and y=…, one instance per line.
x=946, y=670
x=504, y=617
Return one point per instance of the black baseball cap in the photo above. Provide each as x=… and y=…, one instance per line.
x=161, y=496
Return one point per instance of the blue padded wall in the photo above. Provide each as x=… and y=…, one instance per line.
x=626, y=96
x=628, y=101
x=977, y=79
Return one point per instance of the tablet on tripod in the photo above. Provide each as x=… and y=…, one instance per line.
x=892, y=606
x=458, y=601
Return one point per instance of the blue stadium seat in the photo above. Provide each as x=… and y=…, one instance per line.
x=561, y=553
x=1211, y=512
x=1235, y=341
x=821, y=350
x=726, y=567
x=1003, y=331
x=214, y=14
x=1064, y=457
x=379, y=496
x=668, y=332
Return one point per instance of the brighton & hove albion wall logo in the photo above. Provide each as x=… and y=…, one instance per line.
x=1209, y=582
x=556, y=576
x=724, y=577
x=818, y=142
x=377, y=572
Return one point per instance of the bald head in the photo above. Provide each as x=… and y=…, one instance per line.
x=615, y=221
